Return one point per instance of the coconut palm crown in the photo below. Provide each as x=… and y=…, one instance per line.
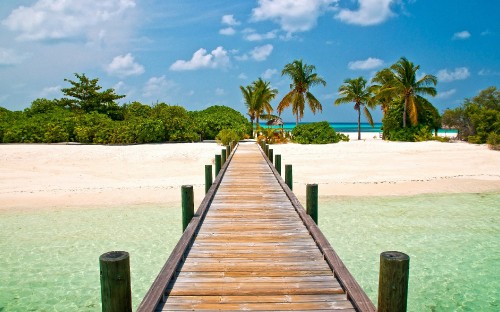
x=303, y=77
x=355, y=90
x=406, y=85
x=257, y=98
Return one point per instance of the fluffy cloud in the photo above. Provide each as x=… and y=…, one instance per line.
x=218, y=58
x=157, y=86
x=370, y=12
x=228, y=31
x=292, y=15
x=251, y=35
x=269, y=73
x=459, y=73
x=369, y=63
x=124, y=65
x=462, y=35
x=11, y=57
x=61, y=20
x=261, y=53
x=446, y=94
x=229, y=20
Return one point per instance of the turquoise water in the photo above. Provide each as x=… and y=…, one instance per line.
x=49, y=260
x=348, y=127
x=453, y=242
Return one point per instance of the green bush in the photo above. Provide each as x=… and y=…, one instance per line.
x=316, y=133
x=211, y=121
x=494, y=141
x=227, y=136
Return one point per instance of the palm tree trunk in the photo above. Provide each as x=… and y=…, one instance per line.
x=297, y=119
x=359, y=124
x=404, y=112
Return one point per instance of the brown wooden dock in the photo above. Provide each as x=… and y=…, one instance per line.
x=251, y=246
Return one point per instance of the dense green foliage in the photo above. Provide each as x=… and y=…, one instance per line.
x=478, y=119
x=91, y=116
x=211, y=121
x=227, y=136
x=317, y=133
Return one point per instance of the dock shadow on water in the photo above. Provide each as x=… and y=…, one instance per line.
x=453, y=242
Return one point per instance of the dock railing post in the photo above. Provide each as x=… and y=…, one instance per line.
x=266, y=150
x=393, y=281
x=312, y=201
x=228, y=151
x=270, y=155
x=116, y=294
x=187, y=205
x=289, y=176
x=224, y=157
x=277, y=163
x=208, y=177
x=218, y=162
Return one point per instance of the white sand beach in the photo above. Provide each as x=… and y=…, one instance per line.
x=58, y=176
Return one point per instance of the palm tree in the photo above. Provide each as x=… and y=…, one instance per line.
x=383, y=79
x=406, y=85
x=303, y=78
x=258, y=97
x=355, y=90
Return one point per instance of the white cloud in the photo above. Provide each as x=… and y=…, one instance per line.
x=157, y=86
x=269, y=73
x=60, y=19
x=251, y=35
x=124, y=65
x=218, y=58
x=369, y=63
x=370, y=12
x=261, y=53
x=446, y=94
x=462, y=35
x=219, y=91
x=459, y=73
x=50, y=92
x=242, y=76
x=11, y=57
x=488, y=72
x=292, y=15
x=228, y=31
x=229, y=20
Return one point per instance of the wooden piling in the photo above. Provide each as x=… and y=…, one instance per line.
x=223, y=157
x=393, y=281
x=218, y=162
x=270, y=155
x=277, y=163
x=289, y=176
x=228, y=151
x=187, y=205
x=116, y=294
x=312, y=201
x=266, y=150
x=208, y=177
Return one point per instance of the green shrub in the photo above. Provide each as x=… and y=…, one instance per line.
x=494, y=141
x=316, y=133
x=211, y=121
x=227, y=136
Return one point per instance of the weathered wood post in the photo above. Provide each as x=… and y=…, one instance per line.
x=228, y=151
x=277, y=163
x=266, y=150
x=116, y=294
x=312, y=201
x=289, y=176
x=187, y=205
x=270, y=155
x=218, y=162
x=208, y=177
x=393, y=281
x=224, y=157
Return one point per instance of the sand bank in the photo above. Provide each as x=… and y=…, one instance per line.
x=49, y=176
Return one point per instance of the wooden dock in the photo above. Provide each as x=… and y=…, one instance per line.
x=251, y=246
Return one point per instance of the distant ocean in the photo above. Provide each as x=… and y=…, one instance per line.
x=346, y=127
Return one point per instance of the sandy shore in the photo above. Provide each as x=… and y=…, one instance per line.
x=58, y=176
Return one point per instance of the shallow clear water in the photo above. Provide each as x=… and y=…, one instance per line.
x=49, y=260
x=453, y=242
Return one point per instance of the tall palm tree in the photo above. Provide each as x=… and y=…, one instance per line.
x=355, y=90
x=410, y=89
x=383, y=79
x=303, y=77
x=258, y=97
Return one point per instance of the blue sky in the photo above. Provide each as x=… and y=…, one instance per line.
x=197, y=53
